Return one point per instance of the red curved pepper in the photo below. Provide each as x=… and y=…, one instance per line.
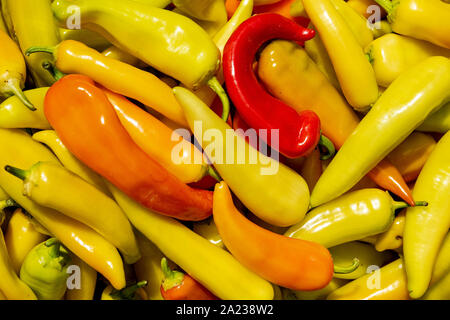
x=179, y=286
x=88, y=126
x=299, y=133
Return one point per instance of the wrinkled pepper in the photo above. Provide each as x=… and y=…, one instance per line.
x=269, y=189
x=213, y=267
x=149, y=267
x=293, y=263
x=411, y=155
x=21, y=236
x=426, y=228
x=160, y=142
x=69, y=161
x=75, y=57
x=392, y=54
x=15, y=115
x=129, y=293
x=177, y=285
x=44, y=270
x=39, y=29
x=298, y=133
x=290, y=75
x=77, y=237
x=52, y=186
x=87, y=281
x=185, y=51
x=392, y=238
x=420, y=19
x=351, y=217
x=356, y=79
x=90, y=129
x=13, y=71
x=410, y=99
x=439, y=121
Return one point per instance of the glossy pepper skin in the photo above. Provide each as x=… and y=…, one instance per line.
x=21, y=236
x=426, y=228
x=410, y=99
x=11, y=286
x=421, y=19
x=87, y=283
x=158, y=141
x=13, y=70
x=177, y=285
x=356, y=79
x=185, y=51
x=392, y=54
x=37, y=30
x=45, y=270
x=269, y=189
x=15, y=115
x=353, y=216
x=77, y=237
x=52, y=186
x=293, y=263
x=51, y=139
x=290, y=74
x=107, y=148
x=75, y=57
x=213, y=267
x=439, y=121
x=298, y=133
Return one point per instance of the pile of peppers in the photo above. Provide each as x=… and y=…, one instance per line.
x=225, y=150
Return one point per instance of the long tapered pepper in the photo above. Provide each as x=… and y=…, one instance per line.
x=55, y=187
x=15, y=115
x=293, y=263
x=77, y=237
x=392, y=54
x=421, y=19
x=89, y=128
x=158, y=141
x=69, y=161
x=185, y=51
x=439, y=121
x=357, y=79
x=87, y=281
x=213, y=267
x=13, y=71
x=410, y=99
x=290, y=75
x=269, y=189
x=38, y=30
x=411, y=155
x=75, y=57
x=298, y=133
x=353, y=216
x=20, y=237
x=425, y=228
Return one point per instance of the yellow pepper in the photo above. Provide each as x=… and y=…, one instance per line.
x=393, y=238
x=362, y=7
x=208, y=230
x=113, y=52
x=439, y=121
x=426, y=227
x=87, y=281
x=15, y=115
x=214, y=268
x=132, y=292
x=2, y=23
x=439, y=291
x=357, y=78
x=392, y=54
x=20, y=237
x=77, y=237
x=321, y=294
x=149, y=267
x=13, y=71
x=11, y=286
x=50, y=138
x=382, y=28
x=88, y=37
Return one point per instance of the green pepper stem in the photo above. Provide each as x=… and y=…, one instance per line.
x=386, y=5
x=326, y=144
x=401, y=205
x=13, y=86
x=39, y=49
x=213, y=173
x=19, y=173
x=128, y=292
x=215, y=85
x=172, y=278
x=54, y=246
x=55, y=72
x=348, y=269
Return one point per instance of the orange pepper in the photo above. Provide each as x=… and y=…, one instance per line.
x=410, y=156
x=231, y=6
x=291, y=263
